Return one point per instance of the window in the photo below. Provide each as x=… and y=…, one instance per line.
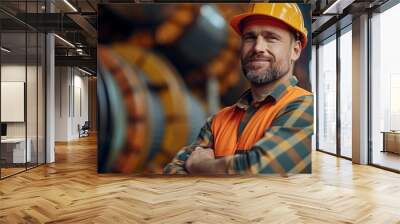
x=346, y=93
x=385, y=89
x=327, y=96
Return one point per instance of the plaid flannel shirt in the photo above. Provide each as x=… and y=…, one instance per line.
x=284, y=148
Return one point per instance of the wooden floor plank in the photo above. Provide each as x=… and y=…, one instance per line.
x=71, y=191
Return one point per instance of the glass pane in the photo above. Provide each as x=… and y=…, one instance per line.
x=41, y=98
x=385, y=86
x=314, y=90
x=32, y=87
x=13, y=87
x=327, y=97
x=31, y=98
x=346, y=94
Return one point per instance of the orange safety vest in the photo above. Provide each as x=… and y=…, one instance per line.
x=225, y=124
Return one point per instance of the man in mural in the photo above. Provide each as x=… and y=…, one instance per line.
x=269, y=129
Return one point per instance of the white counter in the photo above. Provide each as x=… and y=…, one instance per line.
x=19, y=155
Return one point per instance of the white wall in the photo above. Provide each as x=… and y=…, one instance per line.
x=80, y=109
x=16, y=73
x=62, y=81
x=11, y=73
x=71, y=94
x=33, y=127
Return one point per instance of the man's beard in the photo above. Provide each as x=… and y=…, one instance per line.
x=273, y=73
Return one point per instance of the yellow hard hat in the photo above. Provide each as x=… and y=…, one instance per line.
x=288, y=13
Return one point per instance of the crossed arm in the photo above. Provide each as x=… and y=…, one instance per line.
x=284, y=148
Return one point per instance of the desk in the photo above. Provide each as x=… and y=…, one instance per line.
x=391, y=141
x=15, y=148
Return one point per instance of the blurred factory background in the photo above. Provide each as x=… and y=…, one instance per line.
x=166, y=67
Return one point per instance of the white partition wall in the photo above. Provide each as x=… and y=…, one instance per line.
x=71, y=102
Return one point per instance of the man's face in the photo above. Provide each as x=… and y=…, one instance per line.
x=267, y=52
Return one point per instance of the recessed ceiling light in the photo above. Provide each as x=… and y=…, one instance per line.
x=84, y=71
x=70, y=5
x=5, y=50
x=65, y=41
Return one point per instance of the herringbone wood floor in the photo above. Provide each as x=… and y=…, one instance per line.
x=70, y=191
